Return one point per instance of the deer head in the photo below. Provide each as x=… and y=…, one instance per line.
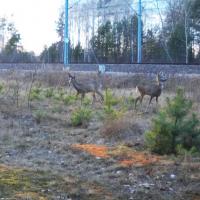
x=160, y=78
x=70, y=78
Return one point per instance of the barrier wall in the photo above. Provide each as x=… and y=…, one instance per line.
x=126, y=68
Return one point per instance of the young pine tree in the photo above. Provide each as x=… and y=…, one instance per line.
x=174, y=126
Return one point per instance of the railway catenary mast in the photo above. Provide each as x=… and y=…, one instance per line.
x=139, y=55
x=66, y=36
x=139, y=43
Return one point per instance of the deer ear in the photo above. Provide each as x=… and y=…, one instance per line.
x=71, y=75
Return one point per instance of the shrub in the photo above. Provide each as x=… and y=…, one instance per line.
x=86, y=101
x=49, y=92
x=61, y=92
x=57, y=109
x=173, y=126
x=115, y=127
x=1, y=87
x=69, y=99
x=110, y=100
x=39, y=115
x=109, y=103
x=81, y=116
x=130, y=102
x=35, y=93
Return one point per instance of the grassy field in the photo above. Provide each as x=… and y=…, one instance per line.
x=54, y=147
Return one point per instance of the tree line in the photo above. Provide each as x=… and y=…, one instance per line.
x=177, y=40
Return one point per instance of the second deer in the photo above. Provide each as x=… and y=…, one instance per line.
x=82, y=88
x=150, y=90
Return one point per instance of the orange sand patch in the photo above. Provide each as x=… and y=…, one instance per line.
x=95, y=150
x=125, y=156
x=139, y=159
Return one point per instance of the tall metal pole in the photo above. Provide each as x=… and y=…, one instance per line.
x=139, y=54
x=66, y=36
x=132, y=48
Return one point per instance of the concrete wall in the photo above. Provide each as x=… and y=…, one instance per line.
x=126, y=68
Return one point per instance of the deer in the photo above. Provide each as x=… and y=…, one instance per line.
x=82, y=88
x=154, y=90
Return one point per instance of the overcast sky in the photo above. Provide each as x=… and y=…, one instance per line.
x=34, y=19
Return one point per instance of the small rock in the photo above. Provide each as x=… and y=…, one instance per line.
x=119, y=172
x=62, y=162
x=172, y=176
x=146, y=185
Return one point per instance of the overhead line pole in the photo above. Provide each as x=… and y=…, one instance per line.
x=139, y=53
x=66, y=36
x=132, y=35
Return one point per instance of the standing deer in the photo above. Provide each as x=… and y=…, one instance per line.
x=150, y=90
x=86, y=87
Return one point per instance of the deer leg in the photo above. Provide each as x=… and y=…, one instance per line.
x=156, y=99
x=141, y=99
x=77, y=95
x=82, y=97
x=94, y=97
x=149, y=103
x=101, y=95
x=150, y=100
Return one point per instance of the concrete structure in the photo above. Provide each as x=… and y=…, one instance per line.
x=109, y=68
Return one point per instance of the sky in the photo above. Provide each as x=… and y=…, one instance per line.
x=35, y=20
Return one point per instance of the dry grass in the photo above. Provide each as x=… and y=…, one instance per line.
x=54, y=134
x=114, y=127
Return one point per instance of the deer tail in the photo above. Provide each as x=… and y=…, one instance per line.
x=136, y=89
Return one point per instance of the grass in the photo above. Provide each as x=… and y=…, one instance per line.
x=57, y=134
x=18, y=183
x=26, y=184
x=113, y=127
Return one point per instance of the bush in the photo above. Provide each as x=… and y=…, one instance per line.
x=81, y=116
x=1, y=87
x=35, y=93
x=109, y=103
x=69, y=99
x=173, y=126
x=39, y=115
x=110, y=100
x=116, y=127
x=59, y=94
x=49, y=92
x=86, y=101
x=57, y=109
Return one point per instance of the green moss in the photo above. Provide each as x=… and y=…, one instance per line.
x=27, y=184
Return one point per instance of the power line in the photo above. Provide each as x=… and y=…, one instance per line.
x=121, y=10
